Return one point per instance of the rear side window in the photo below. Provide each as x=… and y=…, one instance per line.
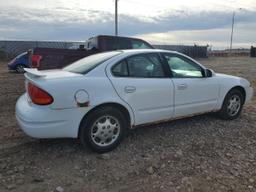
x=86, y=64
x=120, y=70
x=140, y=66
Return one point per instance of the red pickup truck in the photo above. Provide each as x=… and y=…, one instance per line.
x=51, y=58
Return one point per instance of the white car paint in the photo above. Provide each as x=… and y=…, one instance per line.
x=141, y=94
x=195, y=95
x=146, y=100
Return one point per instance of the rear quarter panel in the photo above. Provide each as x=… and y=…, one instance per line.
x=97, y=86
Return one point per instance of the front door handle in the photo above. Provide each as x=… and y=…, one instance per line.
x=130, y=89
x=182, y=86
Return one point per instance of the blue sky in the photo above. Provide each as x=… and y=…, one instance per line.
x=159, y=22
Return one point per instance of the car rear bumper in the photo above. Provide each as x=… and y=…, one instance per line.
x=44, y=122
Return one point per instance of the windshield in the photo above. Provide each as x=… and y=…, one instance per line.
x=86, y=64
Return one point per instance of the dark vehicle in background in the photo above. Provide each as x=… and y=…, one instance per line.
x=253, y=51
x=19, y=63
x=50, y=58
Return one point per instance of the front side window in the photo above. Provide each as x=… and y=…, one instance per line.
x=139, y=66
x=182, y=67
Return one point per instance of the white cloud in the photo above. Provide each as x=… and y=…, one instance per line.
x=176, y=22
x=244, y=37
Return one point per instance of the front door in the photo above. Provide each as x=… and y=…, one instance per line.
x=194, y=93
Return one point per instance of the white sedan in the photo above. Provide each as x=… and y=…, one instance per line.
x=98, y=98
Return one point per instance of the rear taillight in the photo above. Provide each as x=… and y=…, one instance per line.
x=39, y=96
x=36, y=61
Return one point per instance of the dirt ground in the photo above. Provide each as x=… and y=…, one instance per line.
x=201, y=153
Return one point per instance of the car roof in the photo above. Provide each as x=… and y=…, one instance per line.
x=130, y=52
x=146, y=51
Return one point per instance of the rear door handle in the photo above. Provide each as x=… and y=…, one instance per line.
x=182, y=86
x=130, y=89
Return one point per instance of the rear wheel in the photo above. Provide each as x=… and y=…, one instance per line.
x=20, y=68
x=103, y=129
x=232, y=105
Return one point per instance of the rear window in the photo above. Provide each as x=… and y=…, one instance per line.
x=86, y=64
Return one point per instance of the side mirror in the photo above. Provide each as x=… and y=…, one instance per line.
x=209, y=73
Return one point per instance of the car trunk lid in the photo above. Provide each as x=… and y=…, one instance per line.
x=49, y=74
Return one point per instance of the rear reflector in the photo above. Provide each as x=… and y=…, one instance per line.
x=39, y=96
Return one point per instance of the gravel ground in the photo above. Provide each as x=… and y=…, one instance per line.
x=201, y=153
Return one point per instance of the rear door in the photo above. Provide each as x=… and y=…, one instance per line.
x=141, y=82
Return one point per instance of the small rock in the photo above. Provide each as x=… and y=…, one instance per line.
x=251, y=180
x=179, y=153
x=76, y=167
x=38, y=179
x=10, y=172
x=162, y=157
x=117, y=178
x=20, y=181
x=178, y=187
x=208, y=178
x=104, y=156
x=250, y=186
x=229, y=155
x=162, y=166
x=136, y=172
x=21, y=168
x=150, y=170
x=3, y=165
x=226, y=163
x=10, y=187
x=59, y=189
x=156, y=165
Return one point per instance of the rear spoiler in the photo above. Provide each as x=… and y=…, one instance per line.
x=34, y=72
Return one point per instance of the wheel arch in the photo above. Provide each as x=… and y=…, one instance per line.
x=118, y=106
x=241, y=89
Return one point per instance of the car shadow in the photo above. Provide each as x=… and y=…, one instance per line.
x=59, y=147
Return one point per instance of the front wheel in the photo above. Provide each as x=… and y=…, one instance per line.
x=103, y=129
x=232, y=105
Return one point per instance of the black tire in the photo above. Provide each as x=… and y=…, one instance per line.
x=225, y=112
x=92, y=121
x=20, y=68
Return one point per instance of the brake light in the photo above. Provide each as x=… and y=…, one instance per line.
x=39, y=96
x=36, y=61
